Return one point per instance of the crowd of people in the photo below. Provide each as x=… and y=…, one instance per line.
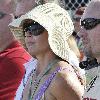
x=51, y=64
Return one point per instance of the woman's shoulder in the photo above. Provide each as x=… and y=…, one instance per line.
x=66, y=81
x=66, y=73
x=65, y=69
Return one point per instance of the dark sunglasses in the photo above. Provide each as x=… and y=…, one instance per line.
x=33, y=28
x=2, y=14
x=89, y=23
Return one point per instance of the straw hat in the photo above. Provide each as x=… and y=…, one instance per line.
x=18, y=33
x=57, y=22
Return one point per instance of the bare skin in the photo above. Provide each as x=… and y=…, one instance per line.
x=6, y=37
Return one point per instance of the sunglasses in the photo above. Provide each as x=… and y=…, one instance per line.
x=2, y=14
x=33, y=28
x=89, y=23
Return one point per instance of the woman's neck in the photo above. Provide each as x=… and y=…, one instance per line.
x=43, y=61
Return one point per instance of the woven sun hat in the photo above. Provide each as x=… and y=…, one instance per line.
x=57, y=22
x=18, y=33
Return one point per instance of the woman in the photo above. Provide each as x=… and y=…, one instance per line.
x=57, y=76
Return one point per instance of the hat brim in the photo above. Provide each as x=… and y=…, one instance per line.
x=58, y=24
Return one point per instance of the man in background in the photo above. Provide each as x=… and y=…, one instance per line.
x=12, y=55
x=90, y=34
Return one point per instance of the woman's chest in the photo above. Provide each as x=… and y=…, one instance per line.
x=41, y=88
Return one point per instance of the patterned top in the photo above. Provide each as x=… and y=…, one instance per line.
x=40, y=94
x=44, y=86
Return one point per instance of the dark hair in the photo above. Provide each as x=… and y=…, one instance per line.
x=26, y=23
x=89, y=63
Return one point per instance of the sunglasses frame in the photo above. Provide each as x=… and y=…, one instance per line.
x=89, y=23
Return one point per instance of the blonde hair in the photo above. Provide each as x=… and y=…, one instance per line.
x=73, y=46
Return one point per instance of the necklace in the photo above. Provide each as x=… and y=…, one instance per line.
x=36, y=82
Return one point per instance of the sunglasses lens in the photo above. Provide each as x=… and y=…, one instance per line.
x=34, y=29
x=89, y=23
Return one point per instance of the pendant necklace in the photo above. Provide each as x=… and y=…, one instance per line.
x=36, y=82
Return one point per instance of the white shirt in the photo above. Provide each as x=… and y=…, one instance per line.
x=29, y=66
x=92, y=91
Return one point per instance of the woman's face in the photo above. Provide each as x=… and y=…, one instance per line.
x=37, y=45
